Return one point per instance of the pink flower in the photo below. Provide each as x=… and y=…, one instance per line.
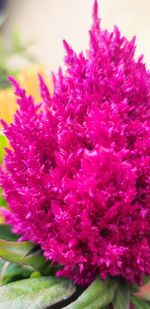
x=77, y=178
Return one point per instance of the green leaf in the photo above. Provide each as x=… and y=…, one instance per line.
x=139, y=303
x=16, y=252
x=36, y=293
x=96, y=296
x=4, y=83
x=6, y=234
x=18, y=46
x=3, y=144
x=2, y=201
x=12, y=272
x=146, y=279
x=121, y=299
x=35, y=274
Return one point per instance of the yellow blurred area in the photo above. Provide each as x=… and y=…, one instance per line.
x=2, y=220
x=28, y=79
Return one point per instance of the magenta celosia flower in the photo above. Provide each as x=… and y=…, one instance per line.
x=77, y=178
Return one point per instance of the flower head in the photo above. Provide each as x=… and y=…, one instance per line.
x=77, y=179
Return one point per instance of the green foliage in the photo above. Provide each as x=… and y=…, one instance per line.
x=18, y=46
x=146, y=279
x=6, y=234
x=139, y=303
x=3, y=144
x=35, y=274
x=96, y=296
x=2, y=200
x=15, y=48
x=37, y=293
x=10, y=272
x=17, y=252
x=122, y=297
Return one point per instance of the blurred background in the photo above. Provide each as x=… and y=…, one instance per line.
x=44, y=23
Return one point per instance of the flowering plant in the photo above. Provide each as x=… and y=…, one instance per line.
x=77, y=179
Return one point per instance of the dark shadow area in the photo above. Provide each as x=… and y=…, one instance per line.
x=67, y=301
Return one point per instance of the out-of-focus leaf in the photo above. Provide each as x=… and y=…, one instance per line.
x=18, y=45
x=6, y=234
x=2, y=262
x=139, y=303
x=34, y=293
x=4, y=83
x=16, y=41
x=3, y=144
x=35, y=274
x=98, y=295
x=35, y=249
x=10, y=272
x=3, y=56
x=16, y=252
x=121, y=299
x=2, y=200
x=146, y=279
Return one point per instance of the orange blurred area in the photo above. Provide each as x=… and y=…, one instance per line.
x=144, y=291
x=28, y=79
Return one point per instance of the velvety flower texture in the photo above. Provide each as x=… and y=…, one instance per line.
x=77, y=178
